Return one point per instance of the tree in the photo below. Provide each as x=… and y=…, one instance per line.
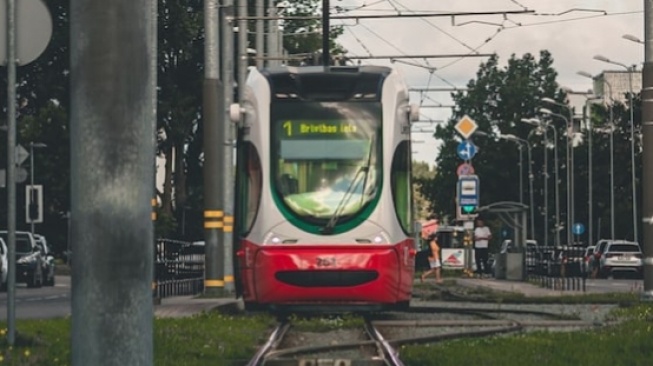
x=497, y=100
x=422, y=173
x=305, y=36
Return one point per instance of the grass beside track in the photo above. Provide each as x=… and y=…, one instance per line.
x=629, y=343
x=195, y=341
x=219, y=339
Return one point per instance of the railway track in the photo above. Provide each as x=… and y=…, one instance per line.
x=373, y=351
x=382, y=335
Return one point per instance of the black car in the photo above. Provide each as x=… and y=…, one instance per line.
x=48, y=260
x=29, y=261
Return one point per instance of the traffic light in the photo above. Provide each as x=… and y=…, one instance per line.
x=466, y=212
x=469, y=209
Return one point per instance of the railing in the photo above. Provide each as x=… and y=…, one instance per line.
x=559, y=268
x=178, y=268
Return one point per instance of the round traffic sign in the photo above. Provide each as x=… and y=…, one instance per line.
x=465, y=169
x=21, y=175
x=33, y=29
x=578, y=228
x=466, y=150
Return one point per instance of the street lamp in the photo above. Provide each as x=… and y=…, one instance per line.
x=521, y=141
x=588, y=75
x=541, y=124
x=630, y=70
x=569, y=158
x=630, y=37
x=569, y=166
x=571, y=204
x=587, y=117
x=32, y=145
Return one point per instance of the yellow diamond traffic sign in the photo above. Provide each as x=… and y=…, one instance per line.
x=466, y=126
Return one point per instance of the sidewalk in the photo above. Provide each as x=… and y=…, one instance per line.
x=184, y=306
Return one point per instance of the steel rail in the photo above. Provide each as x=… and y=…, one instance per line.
x=273, y=341
x=389, y=353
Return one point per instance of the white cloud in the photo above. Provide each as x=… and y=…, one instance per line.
x=572, y=38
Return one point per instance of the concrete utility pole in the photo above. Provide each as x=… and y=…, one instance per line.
x=213, y=107
x=326, y=56
x=647, y=131
x=271, y=34
x=260, y=33
x=11, y=171
x=112, y=140
x=227, y=62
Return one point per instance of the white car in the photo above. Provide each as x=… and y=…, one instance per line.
x=4, y=265
x=621, y=257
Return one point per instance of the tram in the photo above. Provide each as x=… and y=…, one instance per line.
x=323, y=205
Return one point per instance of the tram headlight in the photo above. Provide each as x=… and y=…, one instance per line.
x=275, y=238
x=378, y=238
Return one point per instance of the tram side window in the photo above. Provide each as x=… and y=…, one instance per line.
x=401, y=185
x=251, y=181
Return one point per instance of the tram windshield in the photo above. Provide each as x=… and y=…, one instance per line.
x=326, y=158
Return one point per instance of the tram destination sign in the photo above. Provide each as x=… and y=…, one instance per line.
x=302, y=129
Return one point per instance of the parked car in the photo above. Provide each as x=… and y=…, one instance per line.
x=531, y=253
x=547, y=262
x=48, y=260
x=599, y=249
x=587, y=257
x=621, y=257
x=571, y=259
x=29, y=267
x=4, y=265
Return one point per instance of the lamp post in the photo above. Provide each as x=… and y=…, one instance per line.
x=630, y=37
x=571, y=196
x=521, y=141
x=569, y=173
x=630, y=70
x=587, y=116
x=541, y=124
x=32, y=145
x=611, y=123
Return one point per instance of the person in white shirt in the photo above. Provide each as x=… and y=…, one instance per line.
x=482, y=237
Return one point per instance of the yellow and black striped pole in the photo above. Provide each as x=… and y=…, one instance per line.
x=213, y=225
x=213, y=120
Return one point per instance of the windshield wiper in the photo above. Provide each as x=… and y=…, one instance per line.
x=330, y=225
x=328, y=228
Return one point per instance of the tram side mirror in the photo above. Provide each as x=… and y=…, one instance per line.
x=235, y=112
x=413, y=112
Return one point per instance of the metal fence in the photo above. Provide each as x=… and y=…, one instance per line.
x=178, y=268
x=559, y=268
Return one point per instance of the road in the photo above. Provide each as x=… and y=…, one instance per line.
x=40, y=303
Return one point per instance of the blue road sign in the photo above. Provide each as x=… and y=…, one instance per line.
x=466, y=150
x=468, y=190
x=578, y=228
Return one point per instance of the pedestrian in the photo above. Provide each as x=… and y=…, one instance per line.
x=482, y=237
x=435, y=265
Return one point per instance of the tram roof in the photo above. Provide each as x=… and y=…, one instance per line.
x=327, y=83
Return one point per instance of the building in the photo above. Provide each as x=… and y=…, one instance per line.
x=615, y=85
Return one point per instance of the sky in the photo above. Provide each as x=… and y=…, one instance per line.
x=573, y=31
